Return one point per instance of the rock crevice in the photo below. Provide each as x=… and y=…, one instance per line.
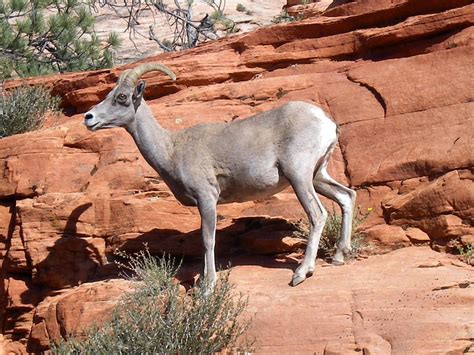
x=377, y=95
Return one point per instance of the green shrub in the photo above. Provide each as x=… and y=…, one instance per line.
x=467, y=253
x=23, y=109
x=241, y=8
x=284, y=17
x=332, y=231
x=159, y=319
x=223, y=23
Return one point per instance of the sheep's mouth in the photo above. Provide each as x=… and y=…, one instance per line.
x=93, y=127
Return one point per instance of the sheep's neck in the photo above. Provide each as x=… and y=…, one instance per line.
x=153, y=141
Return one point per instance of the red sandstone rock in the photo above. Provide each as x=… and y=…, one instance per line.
x=442, y=208
x=5, y=226
x=72, y=234
x=8, y=347
x=396, y=76
x=417, y=235
x=467, y=240
x=384, y=304
x=22, y=298
x=380, y=305
x=299, y=9
x=384, y=9
x=271, y=236
x=73, y=311
x=390, y=236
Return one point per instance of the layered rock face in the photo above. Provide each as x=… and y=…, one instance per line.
x=395, y=75
x=410, y=301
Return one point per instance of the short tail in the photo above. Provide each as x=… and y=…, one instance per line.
x=324, y=160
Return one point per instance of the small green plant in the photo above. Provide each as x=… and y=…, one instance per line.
x=23, y=109
x=159, y=318
x=223, y=23
x=241, y=8
x=284, y=17
x=216, y=16
x=332, y=232
x=467, y=253
x=229, y=27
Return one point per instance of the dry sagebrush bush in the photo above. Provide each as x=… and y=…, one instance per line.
x=23, y=109
x=157, y=318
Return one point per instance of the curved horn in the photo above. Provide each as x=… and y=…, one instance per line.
x=131, y=77
x=124, y=75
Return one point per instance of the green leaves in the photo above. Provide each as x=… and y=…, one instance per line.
x=46, y=36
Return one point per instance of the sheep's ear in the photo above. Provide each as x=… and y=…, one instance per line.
x=138, y=94
x=138, y=91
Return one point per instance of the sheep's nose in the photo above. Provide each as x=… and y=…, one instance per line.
x=88, y=116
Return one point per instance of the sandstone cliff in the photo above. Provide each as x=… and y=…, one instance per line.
x=396, y=75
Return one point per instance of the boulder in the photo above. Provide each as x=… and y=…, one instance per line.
x=73, y=311
x=441, y=208
x=388, y=236
x=467, y=240
x=417, y=235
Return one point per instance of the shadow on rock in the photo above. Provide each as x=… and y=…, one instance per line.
x=72, y=259
x=337, y=3
x=243, y=241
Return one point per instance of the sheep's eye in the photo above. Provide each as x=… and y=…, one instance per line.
x=121, y=97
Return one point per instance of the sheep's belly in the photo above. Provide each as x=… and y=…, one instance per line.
x=253, y=187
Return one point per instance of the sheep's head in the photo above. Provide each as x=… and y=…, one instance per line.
x=119, y=107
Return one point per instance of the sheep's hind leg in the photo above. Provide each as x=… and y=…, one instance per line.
x=317, y=215
x=345, y=198
x=207, y=210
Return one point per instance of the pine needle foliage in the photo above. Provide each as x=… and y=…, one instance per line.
x=158, y=318
x=40, y=37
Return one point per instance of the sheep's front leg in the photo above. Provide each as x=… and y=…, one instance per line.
x=207, y=210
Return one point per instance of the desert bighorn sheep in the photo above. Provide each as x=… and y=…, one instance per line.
x=244, y=160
